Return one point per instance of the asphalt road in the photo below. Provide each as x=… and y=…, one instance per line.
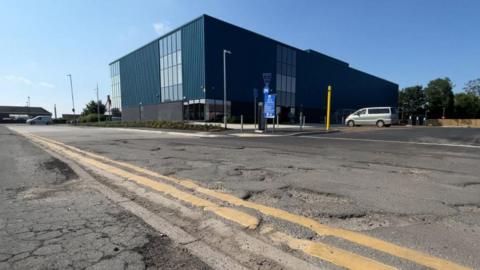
x=50, y=219
x=418, y=188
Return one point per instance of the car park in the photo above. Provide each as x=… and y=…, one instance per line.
x=378, y=116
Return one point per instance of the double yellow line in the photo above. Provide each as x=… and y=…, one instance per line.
x=325, y=252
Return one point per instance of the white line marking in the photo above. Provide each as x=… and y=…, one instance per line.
x=392, y=141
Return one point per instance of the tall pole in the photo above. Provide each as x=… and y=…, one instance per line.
x=28, y=101
x=329, y=99
x=98, y=106
x=255, y=111
x=225, y=87
x=73, y=100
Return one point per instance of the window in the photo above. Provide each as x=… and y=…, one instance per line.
x=115, y=84
x=379, y=111
x=286, y=73
x=364, y=111
x=171, y=67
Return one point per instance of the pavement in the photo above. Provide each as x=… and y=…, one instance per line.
x=50, y=219
x=404, y=198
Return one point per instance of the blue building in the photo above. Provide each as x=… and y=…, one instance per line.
x=180, y=76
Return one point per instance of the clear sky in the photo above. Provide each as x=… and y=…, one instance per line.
x=405, y=41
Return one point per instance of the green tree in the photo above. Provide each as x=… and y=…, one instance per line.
x=439, y=97
x=473, y=86
x=91, y=108
x=411, y=100
x=467, y=105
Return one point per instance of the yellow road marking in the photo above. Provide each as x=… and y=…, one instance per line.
x=328, y=253
x=325, y=252
x=355, y=237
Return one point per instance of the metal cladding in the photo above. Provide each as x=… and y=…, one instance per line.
x=300, y=78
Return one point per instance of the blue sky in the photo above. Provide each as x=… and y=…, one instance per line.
x=408, y=42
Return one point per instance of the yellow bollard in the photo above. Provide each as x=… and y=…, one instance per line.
x=329, y=99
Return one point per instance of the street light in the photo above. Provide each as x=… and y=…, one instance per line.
x=73, y=101
x=140, y=110
x=225, y=87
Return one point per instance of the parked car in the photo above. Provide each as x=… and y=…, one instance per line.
x=42, y=120
x=379, y=116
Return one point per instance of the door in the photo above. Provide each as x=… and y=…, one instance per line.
x=360, y=117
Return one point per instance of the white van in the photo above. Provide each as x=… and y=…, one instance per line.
x=42, y=119
x=379, y=116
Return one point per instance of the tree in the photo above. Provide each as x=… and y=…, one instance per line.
x=91, y=108
x=439, y=97
x=411, y=100
x=473, y=86
x=467, y=105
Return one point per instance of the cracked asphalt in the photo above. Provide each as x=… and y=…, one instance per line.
x=386, y=183
x=50, y=219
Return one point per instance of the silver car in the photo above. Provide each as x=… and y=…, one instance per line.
x=42, y=120
x=379, y=116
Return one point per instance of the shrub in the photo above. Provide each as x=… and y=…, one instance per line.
x=151, y=124
x=91, y=118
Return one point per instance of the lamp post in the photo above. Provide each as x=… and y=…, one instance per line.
x=98, y=106
x=225, y=52
x=140, y=110
x=73, y=100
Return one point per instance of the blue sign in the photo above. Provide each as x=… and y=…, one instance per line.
x=269, y=111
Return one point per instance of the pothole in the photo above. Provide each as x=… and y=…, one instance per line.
x=308, y=203
x=161, y=253
x=62, y=171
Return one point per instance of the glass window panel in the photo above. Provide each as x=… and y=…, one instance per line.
x=179, y=57
x=284, y=54
x=279, y=53
x=180, y=91
x=179, y=40
x=294, y=62
x=175, y=78
x=289, y=84
x=179, y=72
x=294, y=71
x=284, y=83
x=170, y=75
x=279, y=82
x=293, y=99
x=177, y=95
x=170, y=93
x=174, y=42
x=284, y=69
x=174, y=58
x=168, y=46
x=294, y=85
x=289, y=53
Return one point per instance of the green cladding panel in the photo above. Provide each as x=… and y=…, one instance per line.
x=193, y=59
x=140, y=76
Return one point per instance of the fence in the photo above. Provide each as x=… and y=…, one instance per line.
x=454, y=122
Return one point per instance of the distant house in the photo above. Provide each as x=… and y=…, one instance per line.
x=20, y=113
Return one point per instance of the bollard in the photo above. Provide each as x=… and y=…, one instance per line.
x=241, y=122
x=329, y=101
x=303, y=122
x=300, y=120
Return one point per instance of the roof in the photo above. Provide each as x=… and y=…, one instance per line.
x=230, y=24
x=24, y=110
